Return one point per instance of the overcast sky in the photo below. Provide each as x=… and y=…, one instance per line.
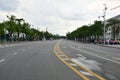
x=59, y=16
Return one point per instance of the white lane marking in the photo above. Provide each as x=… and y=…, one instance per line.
x=116, y=58
x=2, y=47
x=89, y=64
x=80, y=63
x=86, y=73
x=64, y=47
x=61, y=55
x=15, y=53
x=65, y=59
x=23, y=49
x=81, y=56
x=72, y=64
x=95, y=55
x=30, y=47
x=2, y=60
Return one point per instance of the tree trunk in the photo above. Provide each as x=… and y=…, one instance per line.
x=18, y=35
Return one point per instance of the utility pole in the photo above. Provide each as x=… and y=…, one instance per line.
x=115, y=7
x=46, y=29
x=104, y=19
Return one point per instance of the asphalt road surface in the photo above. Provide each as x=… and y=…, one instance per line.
x=58, y=60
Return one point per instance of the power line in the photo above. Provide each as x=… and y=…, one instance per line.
x=115, y=7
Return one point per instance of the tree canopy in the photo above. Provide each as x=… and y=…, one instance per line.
x=17, y=26
x=86, y=31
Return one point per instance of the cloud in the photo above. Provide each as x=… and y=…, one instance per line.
x=8, y=5
x=61, y=16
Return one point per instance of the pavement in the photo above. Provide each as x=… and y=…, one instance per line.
x=113, y=46
x=19, y=43
x=104, y=61
x=33, y=61
x=66, y=60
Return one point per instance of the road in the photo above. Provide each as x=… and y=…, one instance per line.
x=58, y=60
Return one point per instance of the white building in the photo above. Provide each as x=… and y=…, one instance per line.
x=110, y=33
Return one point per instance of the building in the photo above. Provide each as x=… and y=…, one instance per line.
x=113, y=30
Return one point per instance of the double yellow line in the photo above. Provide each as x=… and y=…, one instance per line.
x=57, y=49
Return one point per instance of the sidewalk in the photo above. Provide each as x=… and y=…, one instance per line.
x=8, y=44
x=113, y=46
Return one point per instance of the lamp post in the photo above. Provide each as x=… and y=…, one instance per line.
x=104, y=22
x=104, y=15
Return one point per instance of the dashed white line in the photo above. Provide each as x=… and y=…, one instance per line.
x=72, y=64
x=2, y=60
x=61, y=55
x=30, y=47
x=116, y=58
x=65, y=59
x=86, y=73
x=64, y=47
x=81, y=56
x=15, y=53
x=23, y=49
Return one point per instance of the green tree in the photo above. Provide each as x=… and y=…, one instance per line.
x=84, y=33
x=10, y=25
x=2, y=32
x=2, y=27
x=19, y=26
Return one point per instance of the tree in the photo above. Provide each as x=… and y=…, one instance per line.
x=2, y=27
x=84, y=33
x=2, y=32
x=10, y=25
x=25, y=29
x=19, y=26
x=97, y=29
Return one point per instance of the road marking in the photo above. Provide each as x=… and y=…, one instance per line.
x=65, y=59
x=95, y=55
x=81, y=56
x=116, y=58
x=72, y=64
x=30, y=47
x=15, y=53
x=23, y=49
x=2, y=47
x=61, y=55
x=97, y=76
x=72, y=68
x=86, y=73
x=64, y=47
x=2, y=60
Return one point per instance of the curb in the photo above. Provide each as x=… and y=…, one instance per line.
x=110, y=46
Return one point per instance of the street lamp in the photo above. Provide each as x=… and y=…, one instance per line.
x=104, y=15
x=104, y=21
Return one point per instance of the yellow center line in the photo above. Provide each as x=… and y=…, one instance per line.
x=72, y=68
x=96, y=75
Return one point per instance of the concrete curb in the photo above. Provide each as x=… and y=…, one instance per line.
x=110, y=46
